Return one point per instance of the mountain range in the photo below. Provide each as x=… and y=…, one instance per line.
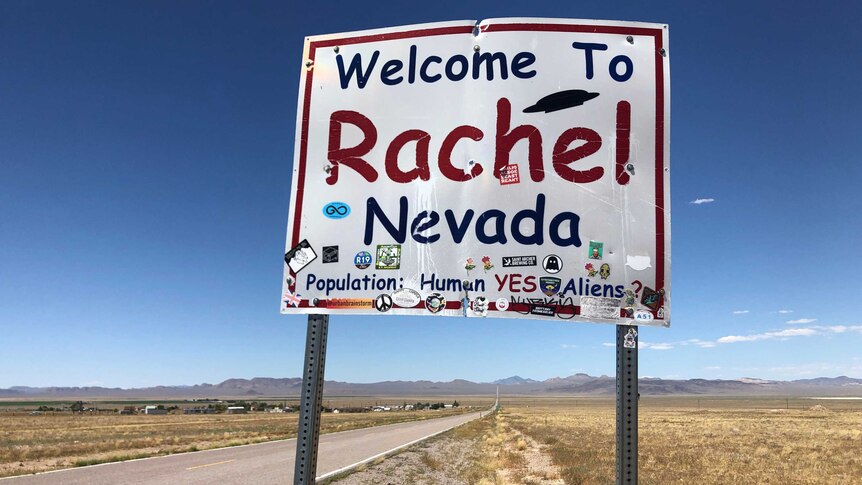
x=574, y=385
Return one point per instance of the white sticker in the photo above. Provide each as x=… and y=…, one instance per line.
x=406, y=298
x=599, y=307
x=638, y=263
x=643, y=316
x=502, y=304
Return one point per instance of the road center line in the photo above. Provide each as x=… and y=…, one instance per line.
x=209, y=464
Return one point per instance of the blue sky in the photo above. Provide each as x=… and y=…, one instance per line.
x=145, y=157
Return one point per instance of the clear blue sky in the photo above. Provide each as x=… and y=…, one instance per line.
x=145, y=158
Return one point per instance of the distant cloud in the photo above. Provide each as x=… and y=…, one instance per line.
x=783, y=334
x=740, y=312
x=784, y=312
x=712, y=367
x=608, y=344
x=702, y=201
x=802, y=321
x=568, y=346
x=657, y=346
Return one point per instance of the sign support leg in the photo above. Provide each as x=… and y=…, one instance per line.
x=627, y=405
x=310, y=402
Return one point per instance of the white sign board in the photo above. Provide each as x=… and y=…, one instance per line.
x=517, y=168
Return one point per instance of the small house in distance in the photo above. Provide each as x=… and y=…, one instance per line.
x=154, y=410
x=236, y=410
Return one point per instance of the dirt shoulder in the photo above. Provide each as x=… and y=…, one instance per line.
x=483, y=452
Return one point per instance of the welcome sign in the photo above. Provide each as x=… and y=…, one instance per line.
x=515, y=168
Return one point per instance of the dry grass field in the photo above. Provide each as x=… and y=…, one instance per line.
x=726, y=441
x=30, y=444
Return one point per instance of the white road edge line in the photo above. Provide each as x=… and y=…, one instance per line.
x=393, y=450
x=205, y=451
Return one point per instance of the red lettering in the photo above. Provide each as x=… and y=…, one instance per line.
x=513, y=282
x=421, y=171
x=445, y=158
x=563, y=157
x=624, y=124
x=506, y=139
x=501, y=283
x=350, y=156
x=530, y=284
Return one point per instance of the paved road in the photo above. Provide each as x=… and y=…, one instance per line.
x=263, y=463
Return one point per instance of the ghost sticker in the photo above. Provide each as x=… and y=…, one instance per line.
x=605, y=271
x=300, y=256
x=591, y=270
x=596, y=249
x=552, y=264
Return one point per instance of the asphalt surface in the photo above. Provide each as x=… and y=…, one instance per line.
x=262, y=463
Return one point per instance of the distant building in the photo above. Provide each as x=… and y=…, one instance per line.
x=199, y=410
x=154, y=410
x=236, y=410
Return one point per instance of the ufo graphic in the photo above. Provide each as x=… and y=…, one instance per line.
x=562, y=100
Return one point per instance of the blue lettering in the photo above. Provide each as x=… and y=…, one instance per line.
x=423, y=71
x=433, y=219
x=390, y=68
x=458, y=232
x=400, y=234
x=588, y=49
x=538, y=217
x=520, y=61
x=450, y=65
x=479, y=58
x=499, y=235
x=355, y=67
x=612, y=67
x=557, y=221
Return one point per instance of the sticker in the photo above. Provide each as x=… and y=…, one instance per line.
x=465, y=304
x=291, y=299
x=330, y=254
x=543, y=310
x=552, y=264
x=435, y=302
x=362, y=259
x=388, y=256
x=549, y=285
x=643, y=316
x=513, y=261
x=630, y=312
x=605, y=271
x=406, y=298
x=629, y=299
x=480, y=306
x=486, y=262
x=469, y=264
x=509, y=174
x=591, y=270
x=629, y=339
x=383, y=303
x=651, y=298
x=502, y=304
x=336, y=210
x=600, y=307
x=350, y=303
x=660, y=313
x=596, y=249
x=638, y=263
x=300, y=256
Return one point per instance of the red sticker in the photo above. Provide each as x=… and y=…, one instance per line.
x=509, y=175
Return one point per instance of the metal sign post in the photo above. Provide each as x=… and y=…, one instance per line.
x=627, y=405
x=310, y=404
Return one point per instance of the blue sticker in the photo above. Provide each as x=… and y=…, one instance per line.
x=336, y=210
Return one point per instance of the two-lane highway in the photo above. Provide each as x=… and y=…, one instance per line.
x=263, y=463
